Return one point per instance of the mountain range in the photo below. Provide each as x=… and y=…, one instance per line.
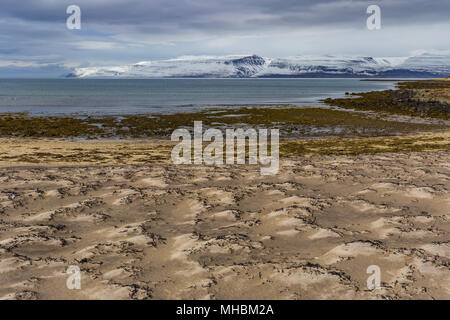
x=426, y=65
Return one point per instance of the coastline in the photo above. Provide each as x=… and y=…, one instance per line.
x=304, y=131
x=140, y=227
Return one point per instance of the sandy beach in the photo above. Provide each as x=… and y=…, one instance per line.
x=361, y=193
x=164, y=231
x=211, y=159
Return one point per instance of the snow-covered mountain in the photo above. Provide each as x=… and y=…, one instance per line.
x=253, y=66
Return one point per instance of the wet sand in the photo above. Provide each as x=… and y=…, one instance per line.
x=161, y=231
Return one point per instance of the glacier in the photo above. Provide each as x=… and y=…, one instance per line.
x=425, y=65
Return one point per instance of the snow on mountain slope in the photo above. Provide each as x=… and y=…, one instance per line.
x=327, y=64
x=204, y=66
x=438, y=63
x=246, y=66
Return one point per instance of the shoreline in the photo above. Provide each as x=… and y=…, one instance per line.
x=304, y=131
x=415, y=106
x=140, y=227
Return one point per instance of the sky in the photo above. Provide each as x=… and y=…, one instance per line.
x=34, y=38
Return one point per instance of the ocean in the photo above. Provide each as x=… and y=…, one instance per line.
x=150, y=96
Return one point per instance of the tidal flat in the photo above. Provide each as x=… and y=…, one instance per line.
x=363, y=114
x=357, y=187
x=292, y=121
x=303, y=130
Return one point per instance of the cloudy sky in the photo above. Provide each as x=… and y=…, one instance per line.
x=34, y=38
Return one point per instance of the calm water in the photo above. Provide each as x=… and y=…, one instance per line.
x=120, y=96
